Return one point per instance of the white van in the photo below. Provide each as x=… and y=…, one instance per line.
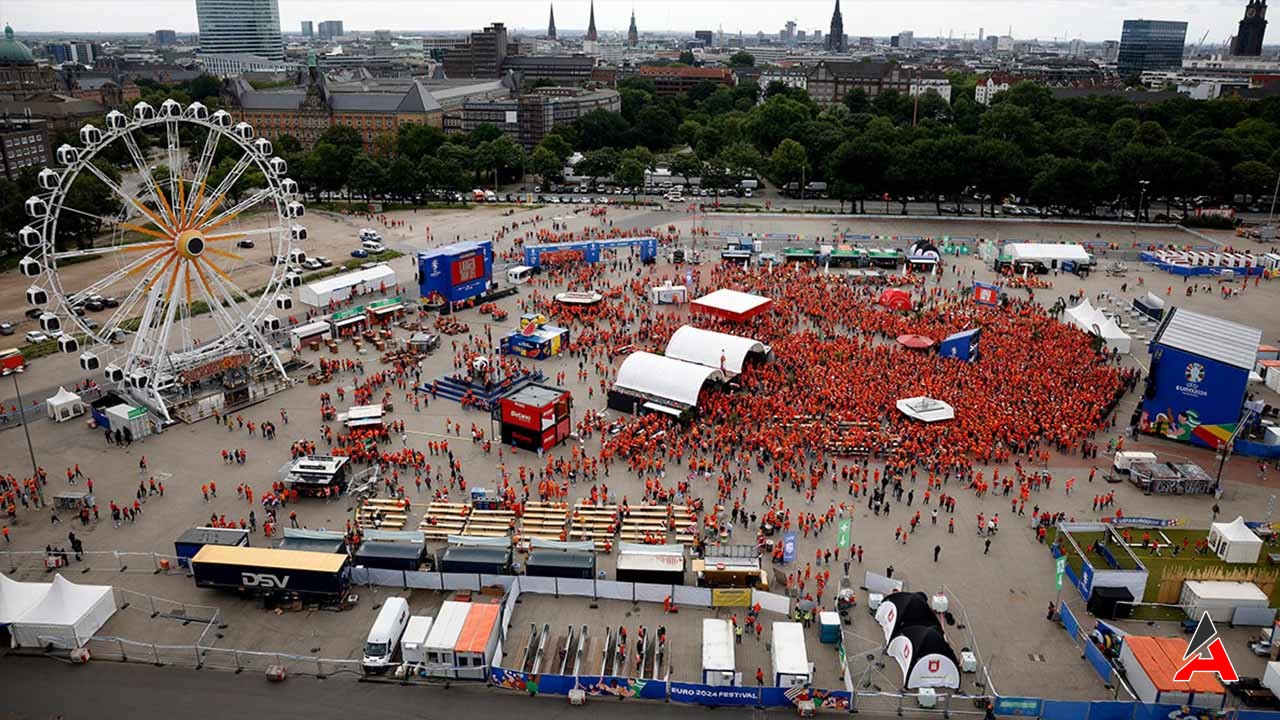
x=384, y=636
x=413, y=645
x=490, y=196
x=373, y=246
x=519, y=274
x=370, y=234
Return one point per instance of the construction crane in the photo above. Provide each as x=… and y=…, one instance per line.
x=1200, y=45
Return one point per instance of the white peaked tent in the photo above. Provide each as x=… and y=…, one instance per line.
x=1234, y=542
x=1091, y=320
x=17, y=598
x=64, y=405
x=926, y=409
x=66, y=617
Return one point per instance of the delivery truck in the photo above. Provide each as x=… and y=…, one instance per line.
x=272, y=573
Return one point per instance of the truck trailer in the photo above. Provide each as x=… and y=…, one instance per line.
x=273, y=573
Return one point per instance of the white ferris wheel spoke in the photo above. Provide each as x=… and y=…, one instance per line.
x=193, y=201
x=144, y=170
x=214, y=199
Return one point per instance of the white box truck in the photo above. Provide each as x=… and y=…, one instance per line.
x=717, y=652
x=413, y=644
x=1219, y=598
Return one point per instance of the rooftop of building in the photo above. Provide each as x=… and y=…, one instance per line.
x=13, y=52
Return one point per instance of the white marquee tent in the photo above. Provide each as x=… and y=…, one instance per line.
x=664, y=378
x=1091, y=320
x=1234, y=542
x=67, y=616
x=17, y=598
x=713, y=349
x=64, y=405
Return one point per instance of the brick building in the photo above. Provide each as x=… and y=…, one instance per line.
x=675, y=79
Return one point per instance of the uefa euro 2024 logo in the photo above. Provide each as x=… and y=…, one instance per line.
x=1195, y=372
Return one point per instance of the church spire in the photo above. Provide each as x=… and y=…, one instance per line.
x=591, y=24
x=835, y=38
x=633, y=35
x=551, y=26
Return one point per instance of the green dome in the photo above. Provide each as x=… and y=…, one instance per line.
x=13, y=52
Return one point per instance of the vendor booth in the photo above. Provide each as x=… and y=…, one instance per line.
x=1043, y=257
x=730, y=566
x=536, y=338
x=1198, y=377
x=1151, y=306
x=348, y=323
x=66, y=617
x=669, y=294
x=133, y=418
x=423, y=342
x=390, y=555
x=732, y=305
x=1150, y=663
x=303, y=335
x=1234, y=542
x=923, y=255
x=660, y=564
x=362, y=416
x=925, y=657
x=535, y=417
x=64, y=405
x=1091, y=320
x=314, y=475
x=482, y=560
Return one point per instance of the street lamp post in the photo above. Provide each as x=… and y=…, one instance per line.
x=1272, y=214
x=22, y=418
x=1142, y=195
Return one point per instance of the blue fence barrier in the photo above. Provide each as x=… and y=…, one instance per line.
x=1069, y=622
x=1065, y=710
x=1113, y=710
x=1099, y=661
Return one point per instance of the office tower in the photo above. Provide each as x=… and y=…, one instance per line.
x=240, y=27
x=164, y=38
x=1151, y=45
x=308, y=29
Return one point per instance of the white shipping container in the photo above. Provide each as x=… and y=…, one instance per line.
x=413, y=644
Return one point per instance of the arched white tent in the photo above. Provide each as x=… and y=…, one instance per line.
x=664, y=378
x=713, y=349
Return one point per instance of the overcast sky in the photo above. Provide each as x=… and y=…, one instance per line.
x=1044, y=19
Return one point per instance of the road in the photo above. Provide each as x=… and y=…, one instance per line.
x=38, y=689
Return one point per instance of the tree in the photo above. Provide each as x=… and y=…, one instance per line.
x=366, y=176
x=416, y=141
x=742, y=58
x=687, y=165
x=502, y=155
x=599, y=163
x=788, y=162
x=655, y=127
x=400, y=181
x=327, y=167
x=858, y=168
x=630, y=173
x=686, y=57
x=742, y=160
x=856, y=100
x=775, y=120
x=546, y=165
x=999, y=169
x=1253, y=178
x=342, y=136
x=601, y=128
x=640, y=154
x=557, y=145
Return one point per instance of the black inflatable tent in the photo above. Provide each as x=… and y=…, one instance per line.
x=925, y=658
x=905, y=609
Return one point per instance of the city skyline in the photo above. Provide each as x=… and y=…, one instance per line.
x=1090, y=20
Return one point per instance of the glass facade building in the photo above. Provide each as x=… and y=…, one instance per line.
x=240, y=27
x=1151, y=45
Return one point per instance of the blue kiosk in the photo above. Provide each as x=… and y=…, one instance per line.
x=455, y=273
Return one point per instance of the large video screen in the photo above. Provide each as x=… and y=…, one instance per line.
x=468, y=268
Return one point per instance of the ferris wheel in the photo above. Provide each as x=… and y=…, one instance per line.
x=182, y=275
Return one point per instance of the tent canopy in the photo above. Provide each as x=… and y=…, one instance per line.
x=664, y=378
x=67, y=616
x=732, y=305
x=925, y=657
x=18, y=598
x=713, y=349
x=1091, y=320
x=904, y=609
x=1160, y=658
x=1235, y=531
x=64, y=405
x=1046, y=252
x=1234, y=542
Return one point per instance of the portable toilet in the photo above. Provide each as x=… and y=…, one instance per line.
x=829, y=627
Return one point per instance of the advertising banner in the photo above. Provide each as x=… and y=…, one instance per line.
x=788, y=547
x=731, y=597
x=714, y=695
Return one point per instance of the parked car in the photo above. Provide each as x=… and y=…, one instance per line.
x=311, y=264
x=34, y=313
x=35, y=336
x=359, y=253
x=324, y=261
x=94, y=304
x=373, y=246
x=6, y=328
x=110, y=302
x=246, y=244
x=91, y=323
